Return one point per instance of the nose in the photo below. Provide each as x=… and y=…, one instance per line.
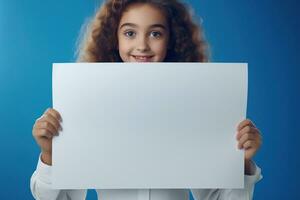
x=143, y=44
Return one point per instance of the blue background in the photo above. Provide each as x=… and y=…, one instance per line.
x=34, y=34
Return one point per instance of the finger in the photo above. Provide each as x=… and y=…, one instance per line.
x=54, y=113
x=249, y=144
x=47, y=126
x=247, y=129
x=39, y=118
x=246, y=122
x=245, y=138
x=53, y=121
x=258, y=140
x=42, y=132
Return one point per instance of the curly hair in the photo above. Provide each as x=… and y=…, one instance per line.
x=186, y=44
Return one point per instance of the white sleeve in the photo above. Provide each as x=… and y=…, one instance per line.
x=232, y=194
x=40, y=185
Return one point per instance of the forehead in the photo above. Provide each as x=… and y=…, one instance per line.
x=143, y=15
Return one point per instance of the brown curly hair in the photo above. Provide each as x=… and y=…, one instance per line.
x=186, y=42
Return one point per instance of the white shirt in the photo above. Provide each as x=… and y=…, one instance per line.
x=40, y=185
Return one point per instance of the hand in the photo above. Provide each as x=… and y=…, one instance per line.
x=249, y=138
x=44, y=129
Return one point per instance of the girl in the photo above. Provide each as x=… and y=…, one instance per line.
x=141, y=31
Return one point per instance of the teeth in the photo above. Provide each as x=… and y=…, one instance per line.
x=142, y=58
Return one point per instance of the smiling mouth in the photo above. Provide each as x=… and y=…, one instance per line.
x=142, y=58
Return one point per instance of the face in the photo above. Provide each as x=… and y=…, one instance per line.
x=143, y=34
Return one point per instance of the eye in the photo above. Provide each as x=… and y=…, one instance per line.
x=129, y=34
x=156, y=34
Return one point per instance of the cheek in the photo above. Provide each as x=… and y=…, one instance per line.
x=123, y=49
x=161, y=49
x=122, y=43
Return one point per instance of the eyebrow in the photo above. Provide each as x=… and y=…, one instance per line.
x=152, y=26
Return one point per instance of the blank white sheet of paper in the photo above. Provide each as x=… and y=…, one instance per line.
x=149, y=125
